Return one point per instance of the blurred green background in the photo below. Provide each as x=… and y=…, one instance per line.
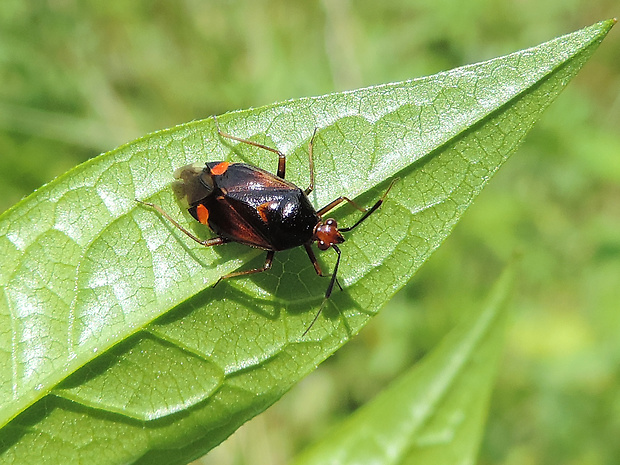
x=81, y=77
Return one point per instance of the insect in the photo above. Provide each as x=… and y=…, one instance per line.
x=245, y=204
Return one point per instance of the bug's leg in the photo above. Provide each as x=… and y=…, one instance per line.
x=206, y=242
x=328, y=292
x=334, y=203
x=316, y=265
x=313, y=259
x=311, y=163
x=372, y=209
x=367, y=211
x=281, y=157
x=267, y=265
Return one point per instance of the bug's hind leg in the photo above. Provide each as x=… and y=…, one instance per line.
x=268, y=261
x=281, y=157
x=206, y=242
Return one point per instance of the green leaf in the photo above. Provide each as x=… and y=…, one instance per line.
x=111, y=333
x=435, y=412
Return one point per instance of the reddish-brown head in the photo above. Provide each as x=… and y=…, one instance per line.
x=326, y=234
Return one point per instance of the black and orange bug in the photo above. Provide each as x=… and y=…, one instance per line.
x=245, y=204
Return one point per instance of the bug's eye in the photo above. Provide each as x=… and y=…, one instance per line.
x=322, y=245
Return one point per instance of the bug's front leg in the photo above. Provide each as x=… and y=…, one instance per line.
x=316, y=265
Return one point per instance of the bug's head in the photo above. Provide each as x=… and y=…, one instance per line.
x=193, y=184
x=326, y=234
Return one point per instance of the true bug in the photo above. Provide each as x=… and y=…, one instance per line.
x=243, y=203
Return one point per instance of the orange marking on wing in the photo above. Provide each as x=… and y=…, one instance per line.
x=220, y=168
x=262, y=210
x=202, y=213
